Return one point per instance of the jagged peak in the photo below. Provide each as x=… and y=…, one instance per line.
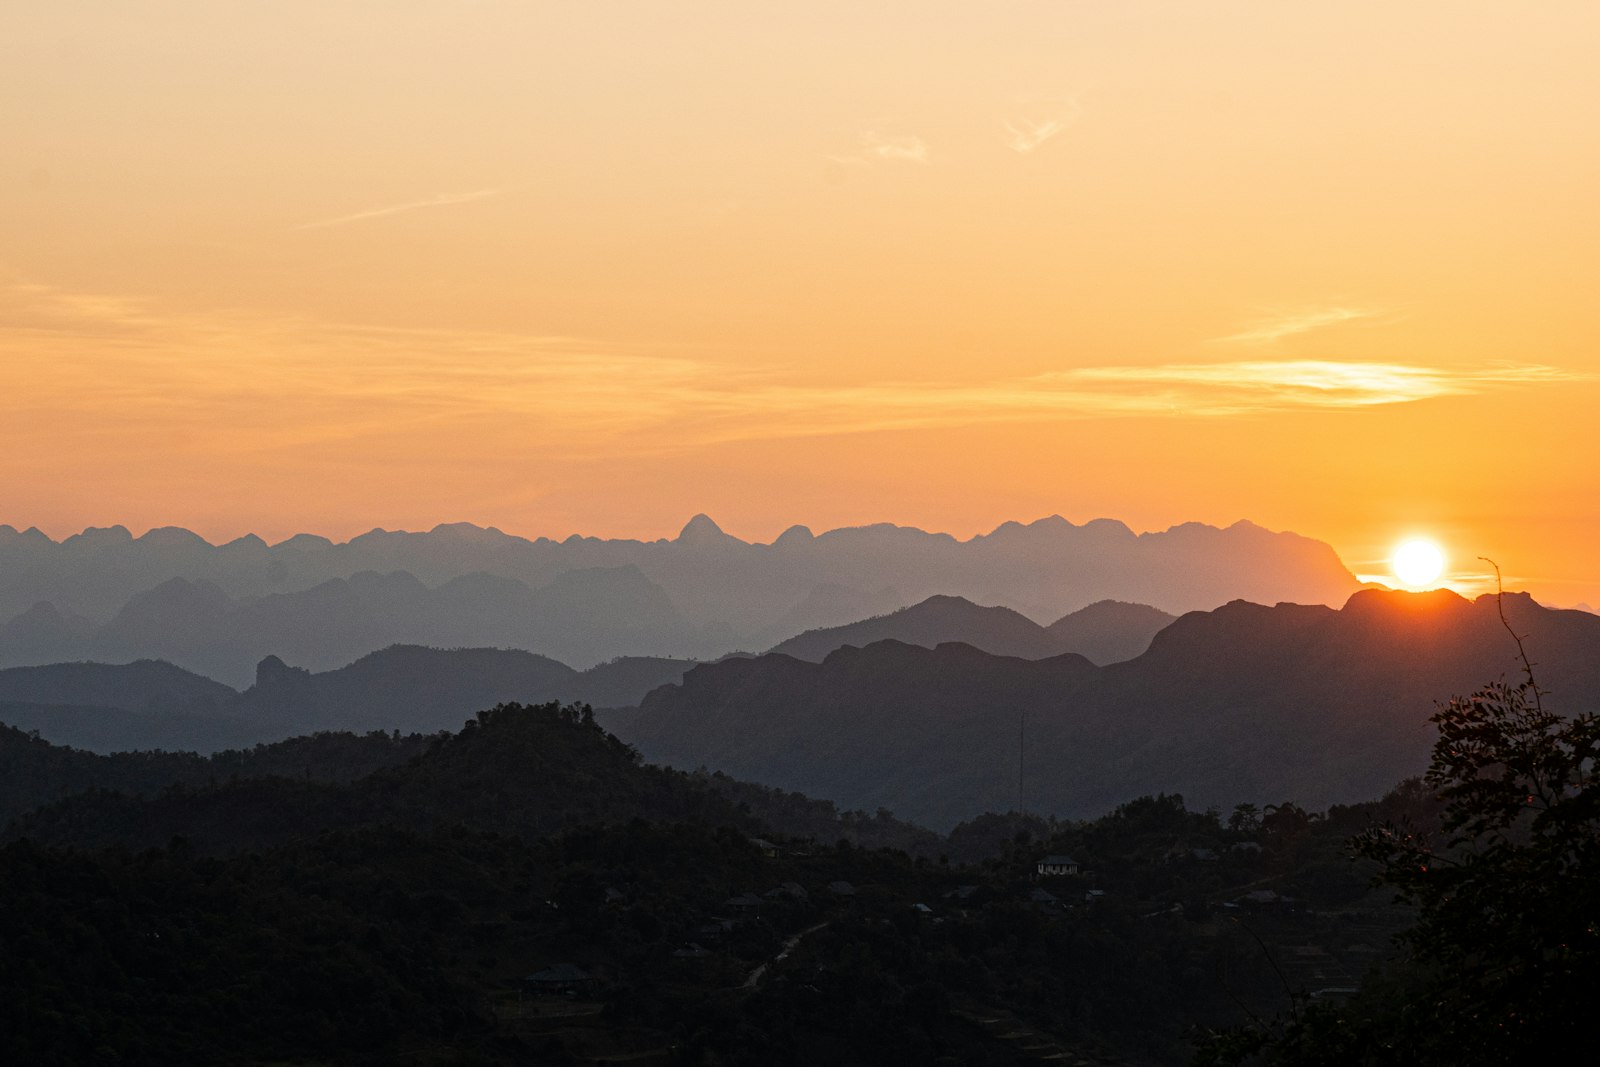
x=272, y=670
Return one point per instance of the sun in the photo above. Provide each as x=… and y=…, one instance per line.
x=1418, y=562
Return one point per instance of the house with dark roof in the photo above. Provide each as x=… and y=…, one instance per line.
x=1056, y=866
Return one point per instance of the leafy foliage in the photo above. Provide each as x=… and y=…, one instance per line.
x=1505, y=952
x=1508, y=899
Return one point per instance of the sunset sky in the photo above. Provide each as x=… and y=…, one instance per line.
x=595, y=267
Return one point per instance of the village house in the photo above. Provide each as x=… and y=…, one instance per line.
x=1056, y=866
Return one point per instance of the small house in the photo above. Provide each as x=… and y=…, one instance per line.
x=1056, y=866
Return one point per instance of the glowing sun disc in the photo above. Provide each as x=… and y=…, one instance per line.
x=1418, y=562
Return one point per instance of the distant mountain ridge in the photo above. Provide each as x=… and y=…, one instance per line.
x=105, y=594
x=1244, y=703
x=151, y=704
x=1104, y=632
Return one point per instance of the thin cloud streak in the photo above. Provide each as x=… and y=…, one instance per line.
x=1321, y=383
x=1172, y=390
x=239, y=385
x=441, y=200
x=1274, y=329
x=903, y=148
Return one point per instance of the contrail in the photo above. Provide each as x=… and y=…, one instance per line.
x=394, y=209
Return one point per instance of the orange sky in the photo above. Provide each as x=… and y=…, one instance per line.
x=596, y=267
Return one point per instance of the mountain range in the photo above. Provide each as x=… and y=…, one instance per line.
x=152, y=704
x=144, y=704
x=218, y=610
x=1246, y=703
x=1103, y=632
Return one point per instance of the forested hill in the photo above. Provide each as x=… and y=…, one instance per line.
x=405, y=916
x=34, y=772
x=524, y=770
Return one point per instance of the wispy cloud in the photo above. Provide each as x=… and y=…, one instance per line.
x=1036, y=120
x=1024, y=136
x=769, y=409
x=1046, y=119
x=236, y=385
x=1239, y=387
x=440, y=200
x=885, y=148
x=1273, y=328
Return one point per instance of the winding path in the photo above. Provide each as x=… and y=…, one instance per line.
x=788, y=946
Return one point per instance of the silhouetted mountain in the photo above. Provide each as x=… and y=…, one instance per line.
x=1244, y=703
x=828, y=605
x=150, y=704
x=404, y=687
x=1102, y=633
x=529, y=771
x=1109, y=631
x=611, y=610
x=146, y=685
x=42, y=634
x=408, y=687
x=219, y=608
x=192, y=623
x=108, y=707
x=626, y=679
x=935, y=621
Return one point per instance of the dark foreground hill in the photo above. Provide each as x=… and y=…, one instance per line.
x=516, y=769
x=524, y=891
x=1104, y=632
x=1245, y=703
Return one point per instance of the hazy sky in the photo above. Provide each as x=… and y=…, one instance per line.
x=595, y=267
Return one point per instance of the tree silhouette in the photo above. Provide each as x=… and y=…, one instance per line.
x=1506, y=947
